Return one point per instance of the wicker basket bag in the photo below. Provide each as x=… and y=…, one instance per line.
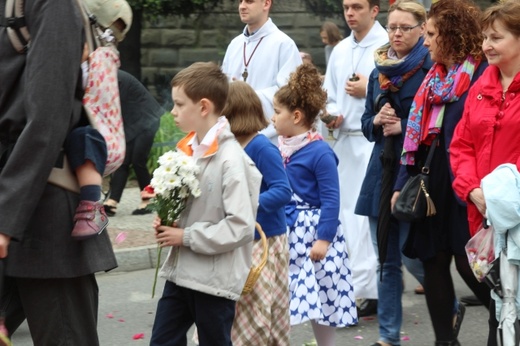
x=254, y=273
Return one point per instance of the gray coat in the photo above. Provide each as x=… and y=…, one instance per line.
x=40, y=102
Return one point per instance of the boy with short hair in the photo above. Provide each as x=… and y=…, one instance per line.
x=212, y=241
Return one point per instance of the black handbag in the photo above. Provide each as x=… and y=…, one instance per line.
x=414, y=202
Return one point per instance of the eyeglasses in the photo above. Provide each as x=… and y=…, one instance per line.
x=404, y=29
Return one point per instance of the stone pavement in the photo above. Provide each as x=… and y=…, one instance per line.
x=134, y=244
x=132, y=235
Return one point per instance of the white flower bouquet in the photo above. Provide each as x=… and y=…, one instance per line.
x=173, y=182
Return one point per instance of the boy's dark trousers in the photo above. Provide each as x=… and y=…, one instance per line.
x=180, y=307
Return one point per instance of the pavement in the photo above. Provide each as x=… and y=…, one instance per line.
x=134, y=244
x=127, y=310
x=132, y=235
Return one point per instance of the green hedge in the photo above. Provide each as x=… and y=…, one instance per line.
x=165, y=139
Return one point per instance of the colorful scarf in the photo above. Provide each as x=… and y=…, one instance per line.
x=290, y=145
x=439, y=87
x=394, y=72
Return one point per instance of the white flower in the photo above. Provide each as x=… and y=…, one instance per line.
x=176, y=176
x=173, y=182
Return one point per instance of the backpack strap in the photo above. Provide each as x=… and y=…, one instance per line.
x=14, y=21
x=17, y=30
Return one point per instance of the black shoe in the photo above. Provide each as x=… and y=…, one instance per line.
x=458, y=320
x=470, y=301
x=368, y=307
x=447, y=343
x=141, y=211
x=110, y=210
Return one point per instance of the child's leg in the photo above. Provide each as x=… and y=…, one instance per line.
x=90, y=181
x=214, y=319
x=173, y=318
x=87, y=154
x=325, y=335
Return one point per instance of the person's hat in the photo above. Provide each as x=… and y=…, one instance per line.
x=107, y=12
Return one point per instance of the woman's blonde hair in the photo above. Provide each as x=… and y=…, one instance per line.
x=413, y=7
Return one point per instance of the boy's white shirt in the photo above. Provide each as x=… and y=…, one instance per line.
x=200, y=149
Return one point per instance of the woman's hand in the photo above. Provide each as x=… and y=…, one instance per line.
x=477, y=197
x=319, y=250
x=388, y=119
x=395, y=196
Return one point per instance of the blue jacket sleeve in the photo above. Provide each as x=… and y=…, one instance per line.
x=371, y=132
x=276, y=192
x=328, y=184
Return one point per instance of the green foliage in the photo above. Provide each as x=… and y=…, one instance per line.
x=165, y=139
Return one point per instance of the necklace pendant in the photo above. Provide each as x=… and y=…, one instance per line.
x=245, y=74
x=354, y=78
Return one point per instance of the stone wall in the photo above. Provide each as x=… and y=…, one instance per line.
x=172, y=43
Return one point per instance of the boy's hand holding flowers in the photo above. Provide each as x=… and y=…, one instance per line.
x=166, y=235
x=173, y=182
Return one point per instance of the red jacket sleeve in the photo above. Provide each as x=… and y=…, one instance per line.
x=463, y=157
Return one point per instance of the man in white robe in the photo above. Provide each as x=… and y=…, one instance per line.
x=346, y=80
x=261, y=55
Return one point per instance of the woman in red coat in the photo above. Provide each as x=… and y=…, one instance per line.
x=487, y=134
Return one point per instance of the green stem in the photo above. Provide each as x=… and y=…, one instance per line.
x=156, y=269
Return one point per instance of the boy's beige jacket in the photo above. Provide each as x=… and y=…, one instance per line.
x=219, y=225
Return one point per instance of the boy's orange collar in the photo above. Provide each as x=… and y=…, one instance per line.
x=184, y=146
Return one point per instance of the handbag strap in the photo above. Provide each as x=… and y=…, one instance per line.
x=426, y=167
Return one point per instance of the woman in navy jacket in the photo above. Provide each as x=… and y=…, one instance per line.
x=400, y=68
x=436, y=110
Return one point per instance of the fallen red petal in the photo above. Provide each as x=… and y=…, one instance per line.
x=110, y=316
x=138, y=336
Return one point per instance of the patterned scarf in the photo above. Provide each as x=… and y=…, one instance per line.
x=393, y=72
x=439, y=87
x=290, y=145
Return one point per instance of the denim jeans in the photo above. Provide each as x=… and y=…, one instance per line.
x=86, y=143
x=390, y=289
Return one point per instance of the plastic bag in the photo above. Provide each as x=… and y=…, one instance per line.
x=480, y=250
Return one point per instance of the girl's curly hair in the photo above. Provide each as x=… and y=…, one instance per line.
x=460, y=32
x=303, y=92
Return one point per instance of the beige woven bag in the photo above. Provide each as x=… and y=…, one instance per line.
x=255, y=271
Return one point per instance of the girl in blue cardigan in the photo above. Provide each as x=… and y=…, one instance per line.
x=320, y=280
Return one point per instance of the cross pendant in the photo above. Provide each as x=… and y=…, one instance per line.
x=245, y=74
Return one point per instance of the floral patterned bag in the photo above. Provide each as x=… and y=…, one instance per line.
x=102, y=104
